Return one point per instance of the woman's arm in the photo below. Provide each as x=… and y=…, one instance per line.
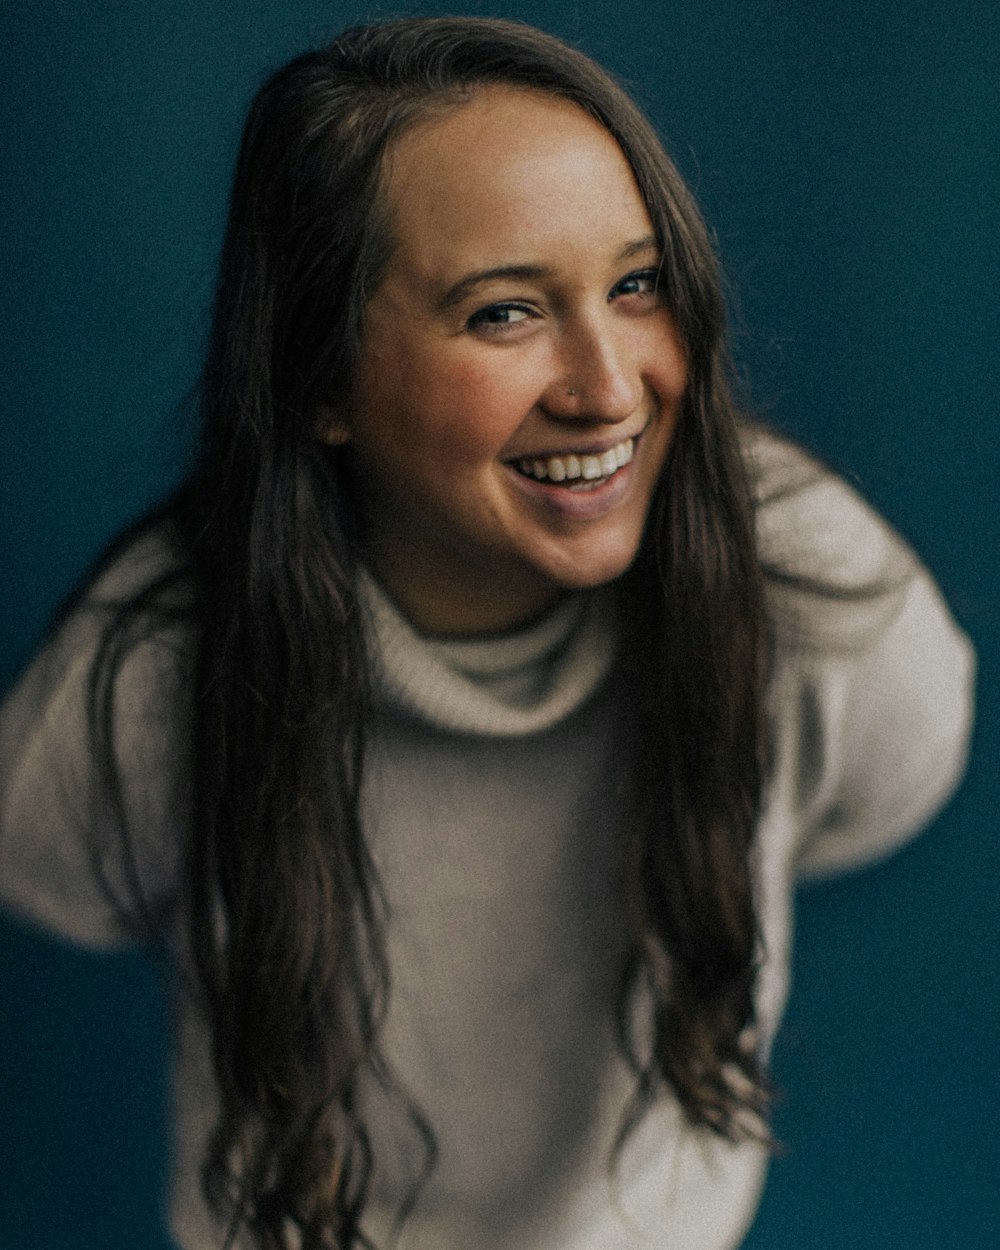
x=70, y=858
x=871, y=697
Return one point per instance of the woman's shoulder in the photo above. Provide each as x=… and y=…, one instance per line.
x=147, y=561
x=812, y=523
x=138, y=597
x=836, y=572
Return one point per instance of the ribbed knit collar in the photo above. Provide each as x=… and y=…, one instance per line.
x=499, y=686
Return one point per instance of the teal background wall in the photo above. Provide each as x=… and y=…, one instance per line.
x=847, y=157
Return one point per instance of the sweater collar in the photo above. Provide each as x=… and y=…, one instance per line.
x=504, y=685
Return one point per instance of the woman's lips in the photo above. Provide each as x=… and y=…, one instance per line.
x=591, y=484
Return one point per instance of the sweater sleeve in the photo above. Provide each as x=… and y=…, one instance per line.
x=871, y=696
x=70, y=858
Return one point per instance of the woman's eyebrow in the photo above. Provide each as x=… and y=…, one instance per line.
x=526, y=273
x=648, y=243
x=519, y=273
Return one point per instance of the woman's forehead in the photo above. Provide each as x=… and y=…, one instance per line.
x=509, y=168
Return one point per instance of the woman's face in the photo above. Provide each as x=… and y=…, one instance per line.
x=519, y=378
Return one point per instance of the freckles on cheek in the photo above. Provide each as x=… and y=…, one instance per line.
x=471, y=414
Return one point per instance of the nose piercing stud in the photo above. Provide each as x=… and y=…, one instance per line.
x=571, y=391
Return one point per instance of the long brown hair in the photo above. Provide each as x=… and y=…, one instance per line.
x=285, y=922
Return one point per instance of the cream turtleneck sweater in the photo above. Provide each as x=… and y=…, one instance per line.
x=492, y=805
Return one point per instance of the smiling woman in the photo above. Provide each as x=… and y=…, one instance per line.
x=463, y=722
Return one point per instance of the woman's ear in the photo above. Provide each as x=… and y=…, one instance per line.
x=332, y=427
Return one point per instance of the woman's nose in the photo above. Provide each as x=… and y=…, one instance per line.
x=595, y=377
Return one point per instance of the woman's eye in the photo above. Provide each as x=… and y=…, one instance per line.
x=496, y=318
x=644, y=282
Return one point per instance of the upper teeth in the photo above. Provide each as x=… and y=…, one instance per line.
x=566, y=468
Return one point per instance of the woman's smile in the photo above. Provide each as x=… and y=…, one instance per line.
x=586, y=469
x=583, y=485
x=520, y=377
